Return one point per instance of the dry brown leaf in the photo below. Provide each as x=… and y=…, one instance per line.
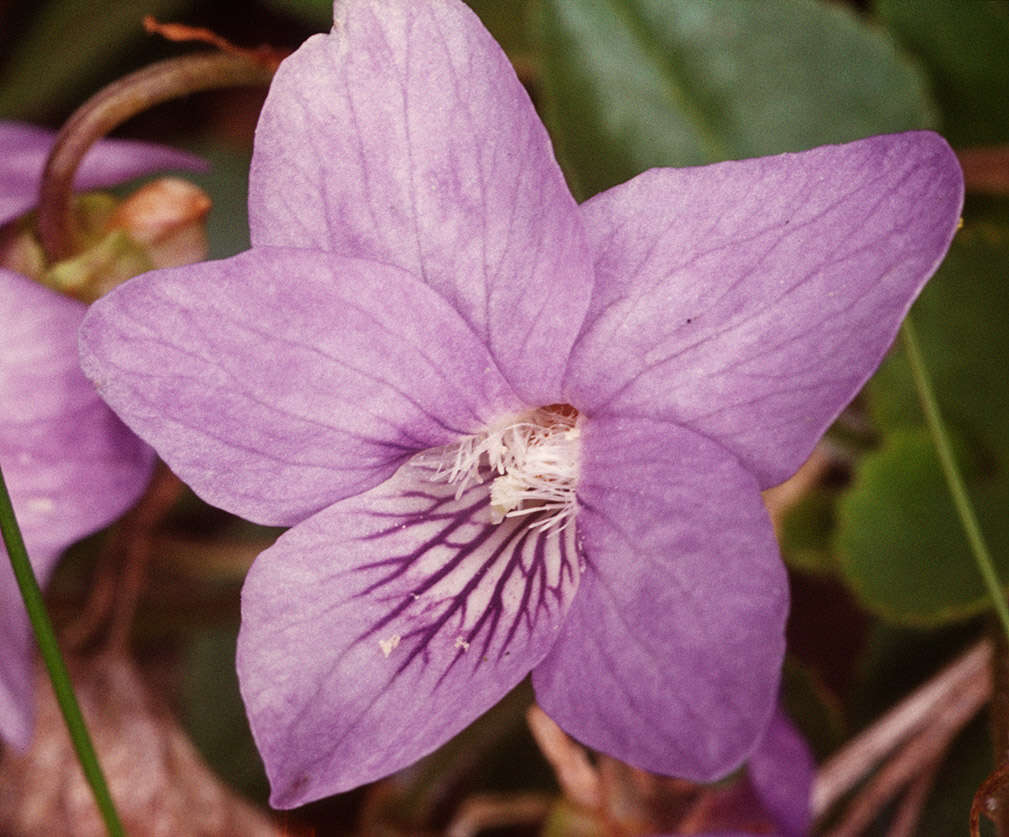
x=157, y=779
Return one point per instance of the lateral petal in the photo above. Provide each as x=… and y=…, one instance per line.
x=750, y=300
x=70, y=465
x=781, y=774
x=670, y=655
x=280, y=381
x=23, y=152
x=404, y=136
x=377, y=629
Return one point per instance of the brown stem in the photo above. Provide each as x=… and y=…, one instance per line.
x=112, y=106
x=985, y=169
x=924, y=749
x=578, y=779
x=925, y=705
x=99, y=602
x=113, y=602
x=985, y=800
x=162, y=494
x=905, y=821
x=481, y=812
x=999, y=719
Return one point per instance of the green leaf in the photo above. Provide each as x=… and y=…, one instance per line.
x=505, y=20
x=213, y=713
x=630, y=84
x=963, y=47
x=68, y=47
x=960, y=320
x=960, y=323
x=899, y=540
x=807, y=531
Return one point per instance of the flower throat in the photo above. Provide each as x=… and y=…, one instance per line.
x=535, y=459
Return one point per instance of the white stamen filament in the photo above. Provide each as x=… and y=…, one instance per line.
x=536, y=458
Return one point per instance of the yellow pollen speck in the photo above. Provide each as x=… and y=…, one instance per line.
x=461, y=643
x=388, y=644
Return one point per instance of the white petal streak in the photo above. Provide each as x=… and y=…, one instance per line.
x=380, y=627
x=453, y=574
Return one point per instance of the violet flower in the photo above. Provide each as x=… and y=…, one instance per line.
x=69, y=463
x=510, y=433
x=26, y=147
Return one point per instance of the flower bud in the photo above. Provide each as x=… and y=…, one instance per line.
x=159, y=225
x=166, y=217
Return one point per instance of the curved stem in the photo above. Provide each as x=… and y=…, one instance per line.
x=112, y=106
x=971, y=527
x=49, y=648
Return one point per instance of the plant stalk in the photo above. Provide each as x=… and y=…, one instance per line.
x=957, y=488
x=53, y=659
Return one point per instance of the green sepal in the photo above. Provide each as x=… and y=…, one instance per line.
x=92, y=273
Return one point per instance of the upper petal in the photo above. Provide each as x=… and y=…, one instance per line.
x=380, y=627
x=670, y=656
x=280, y=381
x=405, y=136
x=70, y=465
x=23, y=152
x=750, y=300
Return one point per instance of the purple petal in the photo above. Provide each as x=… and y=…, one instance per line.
x=750, y=300
x=670, y=655
x=280, y=381
x=404, y=136
x=23, y=152
x=380, y=627
x=781, y=774
x=16, y=680
x=69, y=463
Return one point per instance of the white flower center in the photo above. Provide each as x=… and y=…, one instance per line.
x=535, y=457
